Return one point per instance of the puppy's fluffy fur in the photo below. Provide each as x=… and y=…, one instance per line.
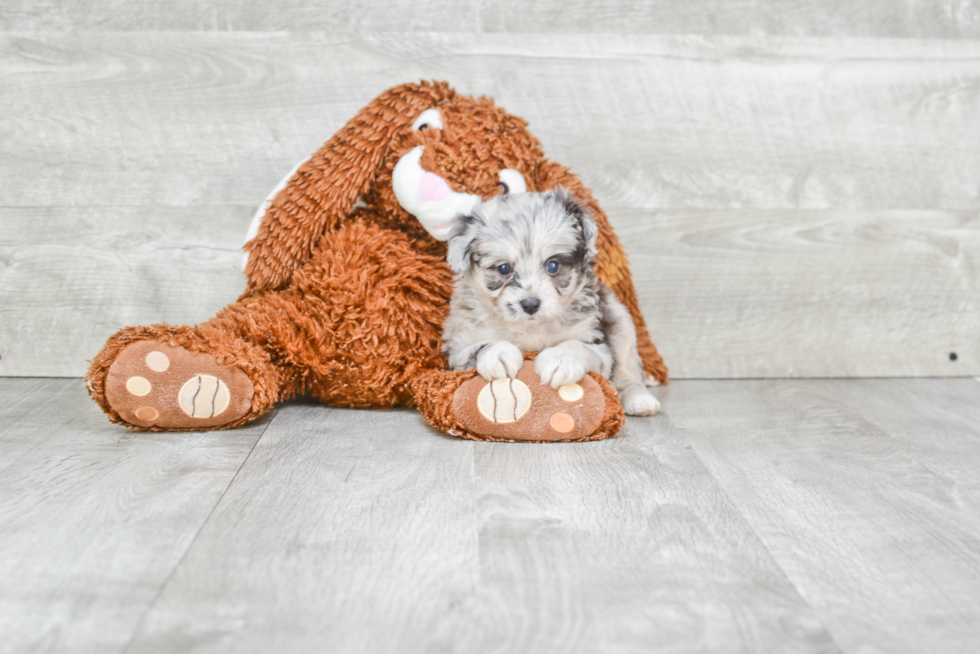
x=524, y=283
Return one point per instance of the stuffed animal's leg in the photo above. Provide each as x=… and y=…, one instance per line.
x=357, y=323
x=462, y=403
x=219, y=374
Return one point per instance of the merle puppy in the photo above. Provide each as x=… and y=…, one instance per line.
x=524, y=283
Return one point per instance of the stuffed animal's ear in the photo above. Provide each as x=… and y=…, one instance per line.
x=324, y=189
x=583, y=214
x=461, y=239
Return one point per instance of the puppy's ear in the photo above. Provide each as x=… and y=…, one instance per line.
x=461, y=239
x=580, y=211
x=611, y=264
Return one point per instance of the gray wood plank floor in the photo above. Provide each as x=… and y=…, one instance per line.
x=93, y=519
x=751, y=516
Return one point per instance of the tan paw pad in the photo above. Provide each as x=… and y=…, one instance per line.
x=504, y=400
x=204, y=396
x=147, y=413
x=562, y=422
x=571, y=392
x=157, y=361
x=138, y=386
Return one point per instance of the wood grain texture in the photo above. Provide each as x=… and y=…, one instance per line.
x=71, y=277
x=625, y=545
x=935, y=422
x=726, y=294
x=134, y=161
x=788, y=515
x=931, y=19
x=870, y=527
x=649, y=122
x=94, y=519
x=363, y=531
x=353, y=531
x=731, y=294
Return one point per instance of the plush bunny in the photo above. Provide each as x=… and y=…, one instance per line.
x=348, y=289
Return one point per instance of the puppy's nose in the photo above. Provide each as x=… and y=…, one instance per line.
x=530, y=305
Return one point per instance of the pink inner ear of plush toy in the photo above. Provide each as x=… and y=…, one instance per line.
x=433, y=188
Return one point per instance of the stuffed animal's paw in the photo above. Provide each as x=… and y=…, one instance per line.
x=156, y=386
x=502, y=359
x=521, y=408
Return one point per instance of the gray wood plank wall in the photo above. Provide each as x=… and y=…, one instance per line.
x=872, y=18
x=797, y=184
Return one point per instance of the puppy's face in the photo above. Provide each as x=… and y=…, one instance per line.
x=526, y=255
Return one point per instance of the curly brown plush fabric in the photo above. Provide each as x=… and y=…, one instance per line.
x=346, y=302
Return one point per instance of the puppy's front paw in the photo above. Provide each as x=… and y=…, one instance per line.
x=639, y=402
x=557, y=367
x=502, y=359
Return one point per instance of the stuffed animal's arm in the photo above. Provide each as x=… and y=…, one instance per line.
x=316, y=199
x=323, y=190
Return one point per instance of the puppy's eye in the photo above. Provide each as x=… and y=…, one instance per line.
x=504, y=269
x=552, y=267
x=424, y=127
x=504, y=188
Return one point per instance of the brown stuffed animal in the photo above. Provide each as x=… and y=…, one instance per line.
x=348, y=289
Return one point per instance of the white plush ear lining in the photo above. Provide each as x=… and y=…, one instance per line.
x=253, y=228
x=461, y=245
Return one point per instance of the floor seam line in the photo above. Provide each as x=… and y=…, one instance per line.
x=758, y=538
x=190, y=546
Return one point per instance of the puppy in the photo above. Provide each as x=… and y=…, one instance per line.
x=525, y=283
